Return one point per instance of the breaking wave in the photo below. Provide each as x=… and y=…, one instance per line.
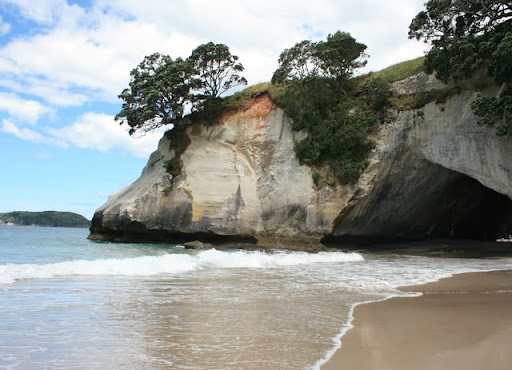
x=171, y=263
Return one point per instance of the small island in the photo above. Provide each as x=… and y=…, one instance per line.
x=45, y=218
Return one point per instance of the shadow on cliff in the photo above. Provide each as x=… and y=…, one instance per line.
x=457, y=210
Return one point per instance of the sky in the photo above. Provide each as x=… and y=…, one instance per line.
x=63, y=64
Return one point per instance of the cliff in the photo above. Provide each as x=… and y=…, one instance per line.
x=433, y=172
x=239, y=180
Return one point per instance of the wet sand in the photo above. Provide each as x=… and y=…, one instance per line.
x=462, y=322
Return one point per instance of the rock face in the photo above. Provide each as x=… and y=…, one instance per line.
x=433, y=172
x=240, y=179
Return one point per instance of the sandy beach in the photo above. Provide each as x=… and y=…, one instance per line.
x=462, y=322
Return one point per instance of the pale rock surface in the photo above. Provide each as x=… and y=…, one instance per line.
x=417, y=183
x=241, y=179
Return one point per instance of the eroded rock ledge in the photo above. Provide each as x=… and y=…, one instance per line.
x=434, y=173
x=240, y=181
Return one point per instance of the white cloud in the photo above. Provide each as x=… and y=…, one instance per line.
x=4, y=27
x=84, y=55
x=29, y=135
x=53, y=93
x=87, y=54
x=94, y=131
x=44, y=12
x=98, y=131
x=28, y=111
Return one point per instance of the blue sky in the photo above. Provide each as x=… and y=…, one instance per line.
x=63, y=63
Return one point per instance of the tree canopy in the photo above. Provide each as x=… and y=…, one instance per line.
x=160, y=88
x=340, y=55
x=467, y=36
x=320, y=97
x=335, y=58
x=217, y=68
x=297, y=63
x=157, y=93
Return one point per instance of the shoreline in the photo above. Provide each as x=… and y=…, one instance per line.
x=463, y=321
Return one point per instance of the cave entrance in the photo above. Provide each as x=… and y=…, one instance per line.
x=473, y=211
x=430, y=201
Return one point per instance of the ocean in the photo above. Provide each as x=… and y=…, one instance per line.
x=70, y=303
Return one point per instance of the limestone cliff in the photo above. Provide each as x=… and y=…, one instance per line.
x=239, y=179
x=434, y=171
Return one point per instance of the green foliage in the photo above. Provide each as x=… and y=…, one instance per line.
x=160, y=87
x=157, y=92
x=375, y=92
x=397, y=72
x=331, y=180
x=46, y=218
x=218, y=69
x=316, y=177
x=466, y=36
x=500, y=64
x=211, y=110
x=495, y=112
x=179, y=139
x=307, y=103
x=340, y=55
x=336, y=58
x=341, y=140
x=297, y=63
x=174, y=166
x=179, y=142
x=319, y=96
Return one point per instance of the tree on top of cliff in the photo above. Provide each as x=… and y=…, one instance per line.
x=217, y=68
x=336, y=58
x=157, y=93
x=161, y=88
x=467, y=36
x=316, y=74
x=318, y=97
x=297, y=63
x=340, y=55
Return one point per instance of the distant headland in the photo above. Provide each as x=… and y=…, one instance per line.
x=45, y=218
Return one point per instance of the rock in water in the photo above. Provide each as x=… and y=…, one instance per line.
x=433, y=172
x=240, y=179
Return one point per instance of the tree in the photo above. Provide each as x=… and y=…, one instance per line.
x=340, y=55
x=218, y=70
x=317, y=96
x=335, y=58
x=465, y=36
x=495, y=111
x=316, y=73
x=297, y=63
x=161, y=88
x=157, y=93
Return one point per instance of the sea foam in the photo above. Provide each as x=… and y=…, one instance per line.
x=170, y=263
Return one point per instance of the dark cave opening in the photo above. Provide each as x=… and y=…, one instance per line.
x=469, y=210
x=436, y=203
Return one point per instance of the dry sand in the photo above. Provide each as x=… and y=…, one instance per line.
x=462, y=322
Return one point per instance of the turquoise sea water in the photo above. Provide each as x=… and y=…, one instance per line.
x=70, y=303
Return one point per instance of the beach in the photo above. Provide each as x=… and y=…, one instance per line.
x=461, y=322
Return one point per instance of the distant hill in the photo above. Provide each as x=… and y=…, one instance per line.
x=46, y=218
